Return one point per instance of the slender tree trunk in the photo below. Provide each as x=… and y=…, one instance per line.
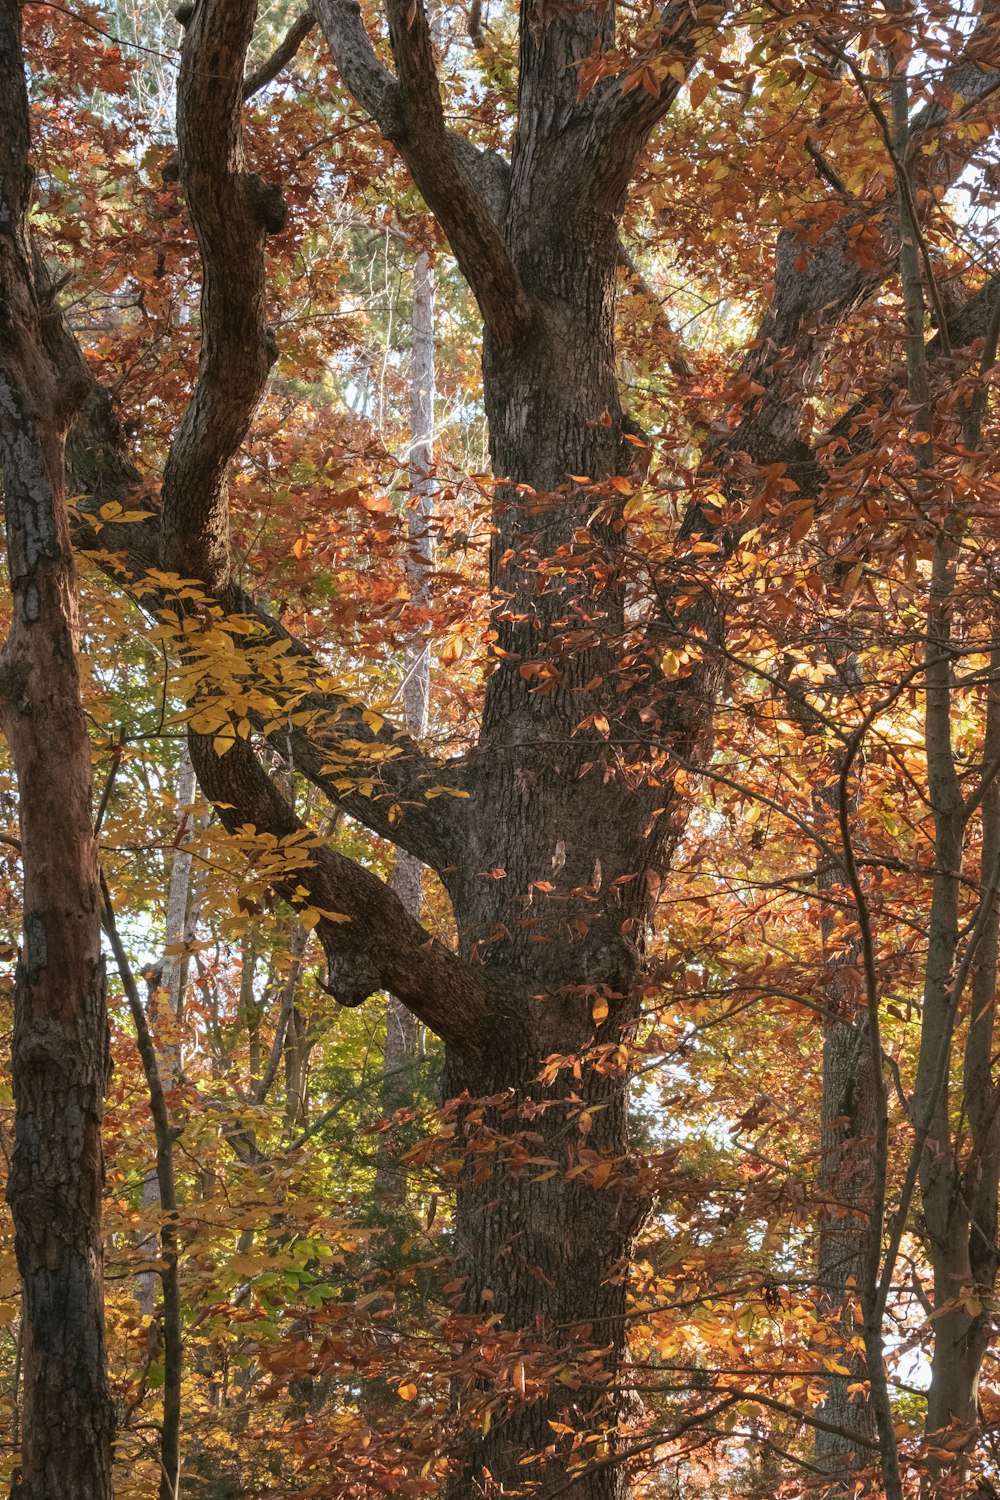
x=408, y=871
x=170, y=1427
x=848, y=1129
x=60, y=1048
x=296, y=1058
x=963, y=1244
x=170, y=984
x=179, y=916
x=848, y=1117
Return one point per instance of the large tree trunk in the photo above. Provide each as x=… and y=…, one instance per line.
x=60, y=1048
x=550, y=1257
x=554, y=894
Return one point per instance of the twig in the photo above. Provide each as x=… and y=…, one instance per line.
x=280, y=57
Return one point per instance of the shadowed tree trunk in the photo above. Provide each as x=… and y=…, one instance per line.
x=847, y=1133
x=573, y=835
x=60, y=1047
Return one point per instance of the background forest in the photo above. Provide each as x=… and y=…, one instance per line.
x=546, y=803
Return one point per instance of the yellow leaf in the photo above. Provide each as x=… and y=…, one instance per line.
x=599, y=1010
x=407, y=1391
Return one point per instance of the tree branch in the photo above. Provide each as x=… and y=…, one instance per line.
x=623, y=120
x=408, y=110
x=233, y=211
x=380, y=946
x=334, y=749
x=279, y=59
x=816, y=286
x=340, y=747
x=190, y=534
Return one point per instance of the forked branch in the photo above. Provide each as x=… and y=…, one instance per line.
x=370, y=941
x=233, y=210
x=407, y=109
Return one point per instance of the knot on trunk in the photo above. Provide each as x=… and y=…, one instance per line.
x=267, y=201
x=351, y=977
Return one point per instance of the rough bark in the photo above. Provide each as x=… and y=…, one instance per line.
x=571, y=833
x=60, y=1049
x=959, y=1188
x=233, y=211
x=452, y=176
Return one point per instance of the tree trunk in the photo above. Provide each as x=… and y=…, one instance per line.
x=408, y=871
x=961, y=1338
x=962, y=1332
x=296, y=1056
x=550, y=1258
x=172, y=1329
x=60, y=1056
x=553, y=897
x=848, y=1129
x=965, y=1256
x=178, y=928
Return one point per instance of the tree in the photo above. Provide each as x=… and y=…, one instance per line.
x=554, y=835
x=60, y=1030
